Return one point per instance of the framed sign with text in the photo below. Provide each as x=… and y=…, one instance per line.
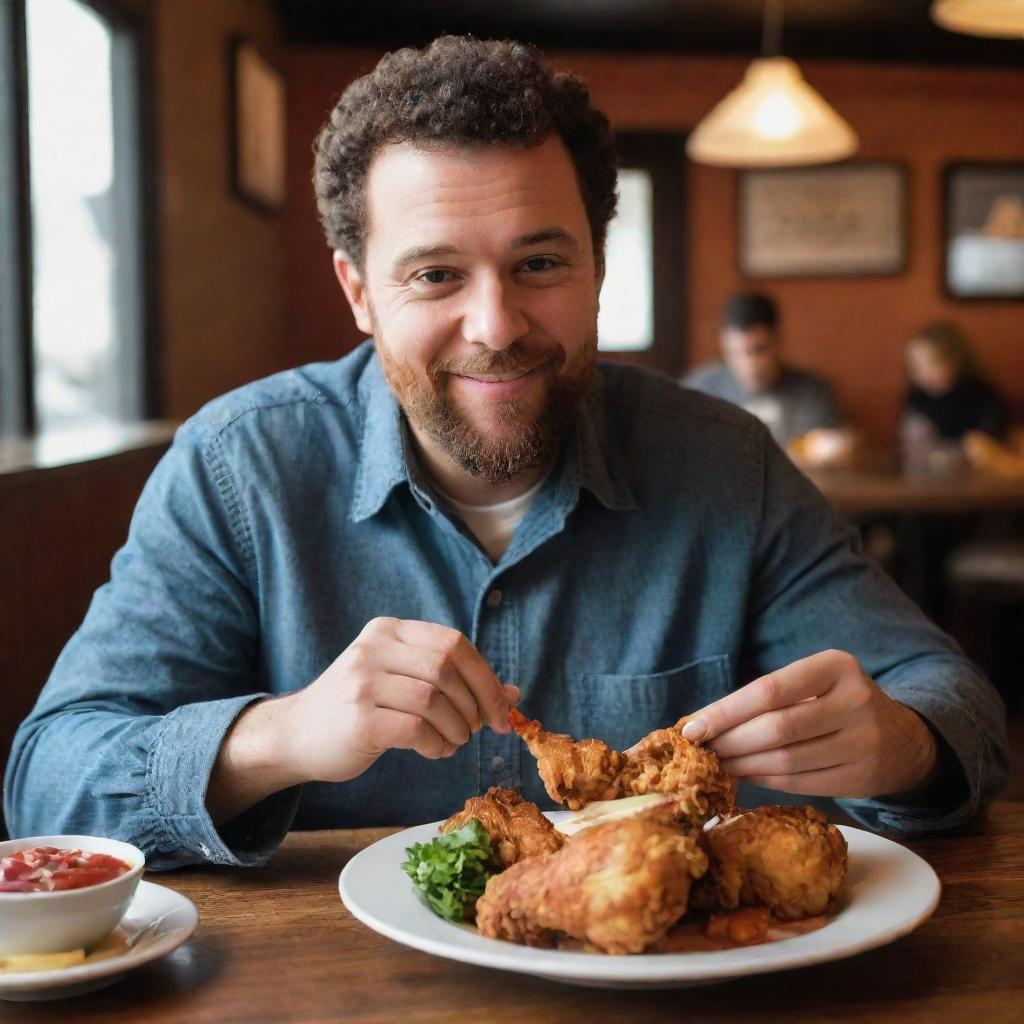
x=843, y=220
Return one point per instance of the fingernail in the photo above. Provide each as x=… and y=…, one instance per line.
x=695, y=730
x=512, y=692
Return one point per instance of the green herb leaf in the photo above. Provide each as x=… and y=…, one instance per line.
x=450, y=872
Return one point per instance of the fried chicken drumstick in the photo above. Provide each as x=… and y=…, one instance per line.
x=579, y=772
x=516, y=827
x=575, y=773
x=618, y=887
x=788, y=859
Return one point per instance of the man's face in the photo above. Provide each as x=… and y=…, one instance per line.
x=930, y=370
x=480, y=288
x=752, y=356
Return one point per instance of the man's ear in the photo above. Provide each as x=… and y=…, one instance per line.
x=354, y=287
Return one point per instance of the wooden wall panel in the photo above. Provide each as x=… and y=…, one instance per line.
x=59, y=528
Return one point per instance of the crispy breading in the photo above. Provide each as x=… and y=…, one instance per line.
x=665, y=762
x=517, y=828
x=574, y=772
x=789, y=859
x=579, y=772
x=618, y=887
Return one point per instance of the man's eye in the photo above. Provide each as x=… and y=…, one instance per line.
x=434, y=276
x=538, y=263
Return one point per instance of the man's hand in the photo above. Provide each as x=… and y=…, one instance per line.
x=818, y=727
x=401, y=683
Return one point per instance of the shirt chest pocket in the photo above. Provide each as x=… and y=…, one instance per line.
x=622, y=709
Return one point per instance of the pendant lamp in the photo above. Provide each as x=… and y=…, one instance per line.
x=773, y=118
x=996, y=18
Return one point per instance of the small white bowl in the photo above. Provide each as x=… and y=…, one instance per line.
x=54, y=922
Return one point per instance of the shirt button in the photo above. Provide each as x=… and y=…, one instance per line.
x=204, y=850
x=497, y=763
x=494, y=599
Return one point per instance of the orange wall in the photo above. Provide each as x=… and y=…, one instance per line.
x=851, y=329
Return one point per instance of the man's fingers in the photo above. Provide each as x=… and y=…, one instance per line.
x=810, y=755
x=403, y=731
x=436, y=668
x=801, y=721
x=808, y=677
x=478, y=676
x=423, y=700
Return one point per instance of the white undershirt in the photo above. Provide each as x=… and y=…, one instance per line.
x=494, y=525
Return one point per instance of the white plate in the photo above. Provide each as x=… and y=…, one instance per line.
x=890, y=892
x=166, y=917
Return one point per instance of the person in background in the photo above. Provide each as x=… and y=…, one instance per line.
x=798, y=407
x=952, y=418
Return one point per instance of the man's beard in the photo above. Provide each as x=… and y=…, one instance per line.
x=524, y=441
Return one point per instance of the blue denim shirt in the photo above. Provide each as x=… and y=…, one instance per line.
x=673, y=554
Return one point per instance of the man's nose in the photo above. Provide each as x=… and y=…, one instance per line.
x=494, y=316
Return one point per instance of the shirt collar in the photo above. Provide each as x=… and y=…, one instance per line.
x=382, y=454
x=595, y=460
x=387, y=459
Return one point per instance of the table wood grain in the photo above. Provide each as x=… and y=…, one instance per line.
x=276, y=944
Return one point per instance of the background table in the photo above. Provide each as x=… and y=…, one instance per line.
x=857, y=492
x=276, y=944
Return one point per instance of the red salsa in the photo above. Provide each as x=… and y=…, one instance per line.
x=47, y=869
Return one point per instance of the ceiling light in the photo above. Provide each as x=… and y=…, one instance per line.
x=997, y=18
x=773, y=118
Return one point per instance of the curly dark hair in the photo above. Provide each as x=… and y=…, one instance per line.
x=458, y=90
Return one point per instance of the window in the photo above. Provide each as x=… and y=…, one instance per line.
x=641, y=318
x=626, y=320
x=72, y=356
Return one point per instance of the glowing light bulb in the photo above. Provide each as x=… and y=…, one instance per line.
x=777, y=117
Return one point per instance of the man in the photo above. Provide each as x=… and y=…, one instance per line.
x=792, y=403
x=331, y=570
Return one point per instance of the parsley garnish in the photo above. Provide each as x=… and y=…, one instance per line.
x=450, y=872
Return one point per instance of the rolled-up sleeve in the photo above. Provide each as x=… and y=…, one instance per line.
x=814, y=590
x=125, y=733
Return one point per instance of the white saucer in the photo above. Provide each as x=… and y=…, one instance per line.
x=166, y=917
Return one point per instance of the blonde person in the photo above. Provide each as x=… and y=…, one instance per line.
x=951, y=415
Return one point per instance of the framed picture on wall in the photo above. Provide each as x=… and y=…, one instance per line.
x=984, y=231
x=258, y=128
x=846, y=220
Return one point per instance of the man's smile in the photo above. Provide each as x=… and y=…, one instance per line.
x=501, y=386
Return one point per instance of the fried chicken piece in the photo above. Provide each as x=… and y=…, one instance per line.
x=665, y=762
x=618, y=887
x=579, y=772
x=574, y=772
x=788, y=859
x=517, y=828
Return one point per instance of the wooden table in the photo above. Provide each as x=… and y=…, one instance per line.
x=857, y=492
x=276, y=944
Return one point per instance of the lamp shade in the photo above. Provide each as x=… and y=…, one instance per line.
x=773, y=118
x=998, y=18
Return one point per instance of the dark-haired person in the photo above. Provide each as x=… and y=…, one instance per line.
x=797, y=406
x=950, y=413
x=331, y=569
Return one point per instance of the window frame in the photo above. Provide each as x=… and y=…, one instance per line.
x=663, y=156
x=17, y=406
x=137, y=317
